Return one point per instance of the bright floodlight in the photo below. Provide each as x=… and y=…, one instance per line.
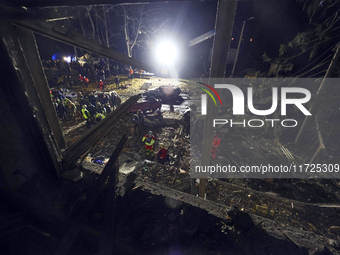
x=166, y=52
x=67, y=59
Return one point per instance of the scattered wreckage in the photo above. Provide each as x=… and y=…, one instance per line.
x=164, y=92
x=147, y=104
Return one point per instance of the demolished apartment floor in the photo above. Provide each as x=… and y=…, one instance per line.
x=297, y=203
x=275, y=216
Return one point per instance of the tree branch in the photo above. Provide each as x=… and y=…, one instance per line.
x=160, y=26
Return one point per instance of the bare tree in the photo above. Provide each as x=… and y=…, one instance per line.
x=104, y=31
x=139, y=25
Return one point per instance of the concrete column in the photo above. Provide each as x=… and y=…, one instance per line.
x=31, y=138
x=223, y=26
x=31, y=53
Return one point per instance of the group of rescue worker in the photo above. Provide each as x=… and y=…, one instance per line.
x=97, y=109
x=92, y=109
x=63, y=105
x=162, y=156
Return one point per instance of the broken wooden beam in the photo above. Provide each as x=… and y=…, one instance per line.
x=93, y=135
x=44, y=3
x=12, y=12
x=108, y=225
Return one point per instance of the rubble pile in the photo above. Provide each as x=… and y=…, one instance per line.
x=287, y=202
x=177, y=170
x=286, y=212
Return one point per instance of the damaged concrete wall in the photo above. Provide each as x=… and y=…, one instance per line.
x=23, y=151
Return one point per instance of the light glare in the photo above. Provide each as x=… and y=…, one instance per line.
x=166, y=53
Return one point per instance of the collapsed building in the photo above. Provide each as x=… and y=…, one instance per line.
x=108, y=212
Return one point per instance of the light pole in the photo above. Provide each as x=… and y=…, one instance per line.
x=238, y=47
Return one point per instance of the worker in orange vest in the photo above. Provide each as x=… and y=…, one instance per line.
x=81, y=80
x=131, y=73
x=101, y=85
x=216, y=144
x=86, y=81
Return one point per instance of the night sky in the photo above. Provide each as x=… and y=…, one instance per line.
x=275, y=22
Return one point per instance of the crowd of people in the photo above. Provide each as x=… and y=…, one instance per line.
x=90, y=107
x=98, y=72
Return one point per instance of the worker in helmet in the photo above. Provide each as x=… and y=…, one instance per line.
x=101, y=85
x=86, y=115
x=99, y=107
x=215, y=145
x=86, y=81
x=92, y=109
x=135, y=122
x=149, y=140
x=103, y=110
x=81, y=80
x=99, y=117
x=162, y=154
x=140, y=117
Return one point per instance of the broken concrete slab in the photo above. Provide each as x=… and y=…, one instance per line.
x=73, y=175
x=128, y=167
x=133, y=155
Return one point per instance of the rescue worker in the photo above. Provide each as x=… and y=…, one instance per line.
x=71, y=107
x=95, y=73
x=86, y=115
x=118, y=100
x=62, y=111
x=80, y=99
x=81, y=80
x=92, y=109
x=61, y=94
x=117, y=81
x=99, y=117
x=135, y=122
x=140, y=117
x=55, y=104
x=107, y=74
x=104, y=99
x=101, y=84
x=113, y=99
x=103, y=109
x=131, y=74
x=70, y=81
x=99, y=107
x=86, y=81
x=102, y=74
x=216, y=144
x=66, y=101
x=108, y=108
x=162, y=154
x=92, y=99
x=149, y=140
